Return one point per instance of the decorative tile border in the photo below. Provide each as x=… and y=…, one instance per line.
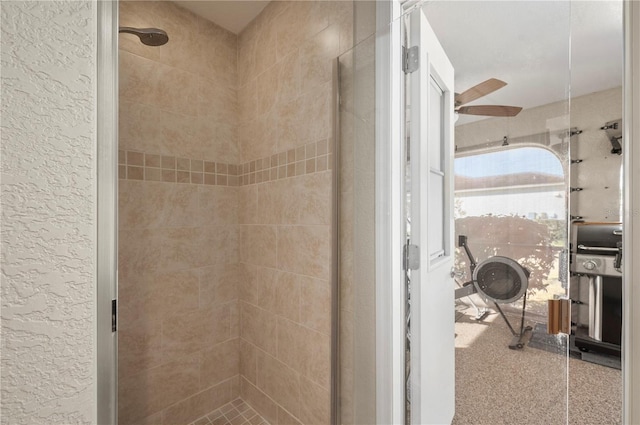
x=306, y=159
x=133, y=165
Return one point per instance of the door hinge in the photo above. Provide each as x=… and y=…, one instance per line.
x=410, y=59
x=114, y=315
x=411, y=258
x=559, y=316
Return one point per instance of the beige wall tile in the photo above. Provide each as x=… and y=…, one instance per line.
x=195, y=44
x=248, y=284
x=149, y=129
x=304, y=250
x=151, y=390
x=216, y=140
x=260, y=402
x=285, y=418
x=258, y=245
x=221, y=244
x=217, y=101
x=135, y=158
x=267, y=283
x=198, y=405
x=267, y=90
x=290, y=124
x=280, y=201
x=290, y=336
x=346, y=398
x=346, y=280
x=309, y=20
x=316, y=114
x=288, y=289
x=139, y=347
x=218, y=284
x=279, y=382
x=314, y=403
x=154, y=296
x=144, y=81
x=315, y=351
x=315, y=304
x=265, y=52
x=347, y=339
x=261, y=128
x=247, y=40
x=306, y=351
x=182, y=248
x=317, y=56
x=272, y=10
x=219, y=363
x=342, y=15
x=314, y=194
x=220, y=61
x=289, y=81
x=258, y=327
x=217, y=324
x=248, y=360
x=182, y=27
x=234, y=319
x=194, y=331
x=168, y=162
x=139, y=251
x=270, y=207
x=133, y=14
x=234, y=99
x=151, y=420
x=235, y=387
x=217, y=205
x=154, y=205
x=248, y=204
x=247, y=101
x=365, y=22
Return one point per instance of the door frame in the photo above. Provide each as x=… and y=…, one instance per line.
x=389, y=215
x=107, y=210
x=631, y=222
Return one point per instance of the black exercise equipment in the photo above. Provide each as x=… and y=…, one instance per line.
x=500, y=280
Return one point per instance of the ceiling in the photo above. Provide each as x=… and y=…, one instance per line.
x=230, y=15
x=543, y=50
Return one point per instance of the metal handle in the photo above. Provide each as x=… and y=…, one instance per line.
x=617, y=263
x=595, y=308
x=617, y=232
x=597, y=248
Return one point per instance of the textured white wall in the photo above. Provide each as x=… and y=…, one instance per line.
x=48, y=196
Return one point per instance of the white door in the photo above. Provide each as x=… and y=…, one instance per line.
x=430, y=132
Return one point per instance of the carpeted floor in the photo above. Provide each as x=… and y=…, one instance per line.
x=496, y=385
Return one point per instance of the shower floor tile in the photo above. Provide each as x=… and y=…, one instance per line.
x=236, y=412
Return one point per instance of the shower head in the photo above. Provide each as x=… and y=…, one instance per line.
x=148, y=36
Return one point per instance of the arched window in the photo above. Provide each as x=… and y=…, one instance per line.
x=525, y=182
x=513, y=203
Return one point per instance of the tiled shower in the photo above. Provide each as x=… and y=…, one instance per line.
x=225, y=213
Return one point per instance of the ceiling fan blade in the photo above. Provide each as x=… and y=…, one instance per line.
x=490, y=110
x=479, y=90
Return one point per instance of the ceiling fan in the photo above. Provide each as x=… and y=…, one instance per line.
x=476, y=92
